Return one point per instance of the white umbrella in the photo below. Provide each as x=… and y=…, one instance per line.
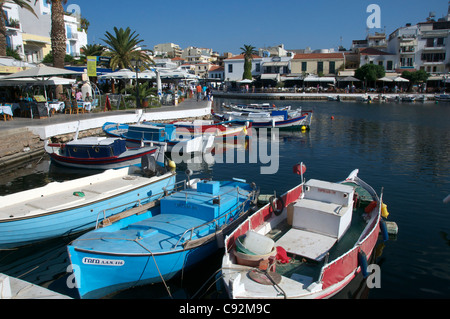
x=245, y=81
x=42, y=72
x=121, y=74
x=147, y=74
x=385, y=79
x=400, y=79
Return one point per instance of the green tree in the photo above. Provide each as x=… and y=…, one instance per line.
x=48, y=59
x=248, y=51
x=91, y=50
x=370, y=72
x=123, y=47
x=21, y=3
x=416, y=76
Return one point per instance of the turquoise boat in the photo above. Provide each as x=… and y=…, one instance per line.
x=66, y=208
x=155, y=245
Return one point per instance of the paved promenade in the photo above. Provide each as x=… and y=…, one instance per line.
x=68, y=123
x=22, y=138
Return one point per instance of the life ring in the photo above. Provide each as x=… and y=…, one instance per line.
x=273, y=205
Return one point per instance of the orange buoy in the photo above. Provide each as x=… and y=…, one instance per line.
x=332, y=117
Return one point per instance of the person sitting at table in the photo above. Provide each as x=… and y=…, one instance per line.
x=87, y=98
x=79, y=96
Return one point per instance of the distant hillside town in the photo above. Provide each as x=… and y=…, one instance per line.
x=423, y=46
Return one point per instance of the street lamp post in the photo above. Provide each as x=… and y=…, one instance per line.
x=136, y=64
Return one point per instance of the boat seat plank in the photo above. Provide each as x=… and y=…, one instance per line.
x=306, y=244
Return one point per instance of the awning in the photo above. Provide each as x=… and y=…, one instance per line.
x=270, y=76
x=320, y=79
x=385, y=79
x=280, y=63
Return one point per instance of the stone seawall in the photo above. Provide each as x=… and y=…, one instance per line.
x=20, y=145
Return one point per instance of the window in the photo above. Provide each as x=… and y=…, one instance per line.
x=406, y=62
x=304, y=66
x=258, y=67
x=380, y=63
x=319, y=67
x=440, y=42
x=430, y=43
x=433, y=57
x=332, y=67
x=389, y=65
x=230, y=68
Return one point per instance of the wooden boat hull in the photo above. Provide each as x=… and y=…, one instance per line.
x=294, y=122
x=131, y=156
x=334, y=275
x=161, y=243
x=186, y=144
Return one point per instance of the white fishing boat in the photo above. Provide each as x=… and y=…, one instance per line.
x=65, y=208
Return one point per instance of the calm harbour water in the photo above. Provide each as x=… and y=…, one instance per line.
x=402, y=148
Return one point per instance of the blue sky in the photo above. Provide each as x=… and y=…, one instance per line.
x=225, y=26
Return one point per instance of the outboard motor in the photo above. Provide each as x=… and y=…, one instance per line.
x=148, y=165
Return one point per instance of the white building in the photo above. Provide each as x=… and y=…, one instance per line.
x=30, y=35
x=403, y=42
x=170, y=50
x=234, y=67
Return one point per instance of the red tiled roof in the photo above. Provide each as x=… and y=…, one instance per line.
x=372, y=51
x=304, y=56
x=177, y=59
x=241, y=56
x=216, y=68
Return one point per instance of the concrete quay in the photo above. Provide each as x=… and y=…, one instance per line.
x=282, y=95
x=14, y=288
x=23, y=138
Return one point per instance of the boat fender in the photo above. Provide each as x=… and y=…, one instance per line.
x=275, y=209
x=362, y=261
x=370, y=207
x=384, y=211
x=384, y=231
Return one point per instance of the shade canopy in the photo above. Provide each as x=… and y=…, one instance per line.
x=349, y=79
x=121, y=74
x=41, y=72
x=320, y=79
x=385, y=79
x=400, y=79
x=54, y=80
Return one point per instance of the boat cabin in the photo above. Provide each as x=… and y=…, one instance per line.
x=319, y=219
x=95, y=147
x=208, y=201
x=152, y=132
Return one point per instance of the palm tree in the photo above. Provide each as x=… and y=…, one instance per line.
x=124, y=47
x=21, y=3
x=58, y=32
x=248, y=51
x=91, y=50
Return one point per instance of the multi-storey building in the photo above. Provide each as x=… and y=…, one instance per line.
x=29, y=35
x=169, y=50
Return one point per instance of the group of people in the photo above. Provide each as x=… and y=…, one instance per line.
x=203, y=92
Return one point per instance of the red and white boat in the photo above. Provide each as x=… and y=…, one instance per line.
x=309, y=243
x=226, y=131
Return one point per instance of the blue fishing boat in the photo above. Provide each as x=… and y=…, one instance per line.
x=98, y=153
x=154, y=246
x=159, y=134
x=65, y=208
x=283, y=119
